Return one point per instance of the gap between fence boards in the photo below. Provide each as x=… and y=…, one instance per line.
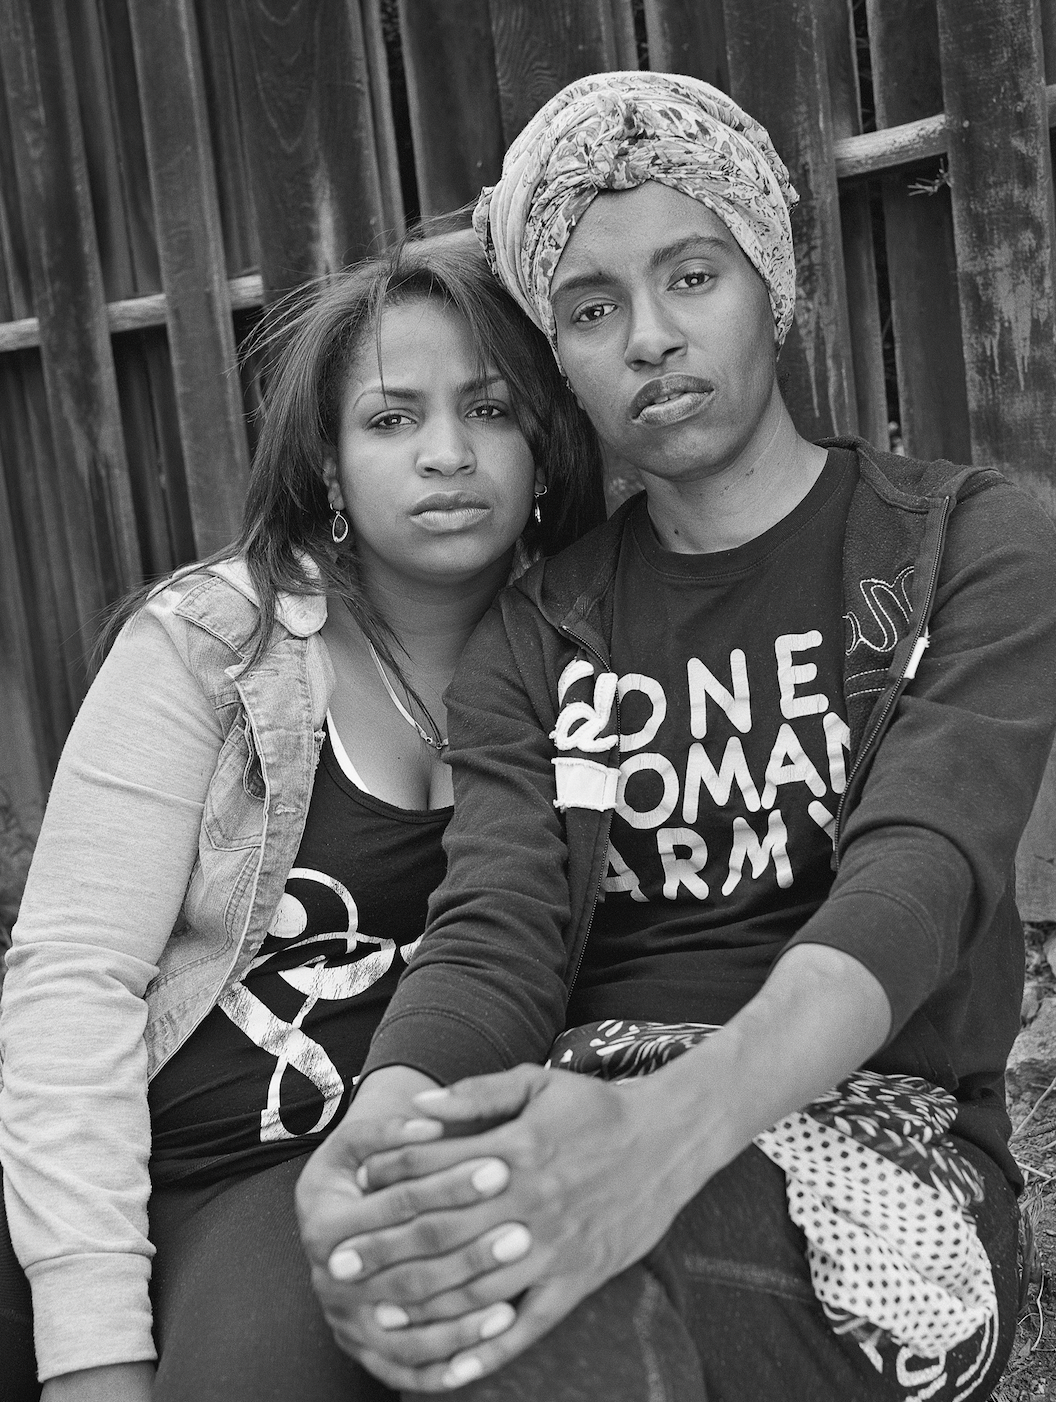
x=856, y=156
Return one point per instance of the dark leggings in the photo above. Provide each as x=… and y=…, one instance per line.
x=721, y=1311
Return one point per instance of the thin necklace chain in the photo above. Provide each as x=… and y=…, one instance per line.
x=435, y=742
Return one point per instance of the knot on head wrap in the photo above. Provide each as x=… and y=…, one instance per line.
x=615, y=131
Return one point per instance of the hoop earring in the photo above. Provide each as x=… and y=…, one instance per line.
x=536, y=512
x=338, y=527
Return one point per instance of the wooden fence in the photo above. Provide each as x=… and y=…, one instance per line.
x=167, y=167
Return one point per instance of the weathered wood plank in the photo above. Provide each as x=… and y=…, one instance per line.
x=152, y=432
x=453, y=93
x=1001, y=173
x=385, y=145
x=921, y=266
x=15, y=297
x=305, y=94
x=688, y=36
x=96, y=505
x=38, y=555
x=191, y=253
x=113, y=139
x=856, y=224
x=238, y=217
x=540, y=45
x=874, y=151
x=34, y=489
x=1048, y=37
x=134, y=314
x=23, y=775
x=792, y=101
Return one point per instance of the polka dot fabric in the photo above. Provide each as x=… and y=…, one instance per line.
x=882, y=1246
x=874, y=1182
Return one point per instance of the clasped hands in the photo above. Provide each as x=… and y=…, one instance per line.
x=445, y=1241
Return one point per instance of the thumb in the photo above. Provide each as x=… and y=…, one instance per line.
x=479, y=1103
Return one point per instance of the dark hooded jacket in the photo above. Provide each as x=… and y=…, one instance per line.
x=949, y=584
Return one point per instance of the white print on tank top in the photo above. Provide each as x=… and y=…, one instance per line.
x=316, y=979
x=650, y=794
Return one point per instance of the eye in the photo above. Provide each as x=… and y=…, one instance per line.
x=696, y=277
x=390, y=419
x=489, y=411
x=592, y=312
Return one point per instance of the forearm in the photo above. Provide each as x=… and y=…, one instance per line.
x=819, y=1016
x=118, y=1382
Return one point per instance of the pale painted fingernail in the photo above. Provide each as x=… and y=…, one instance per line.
x=392, y=1317
x=490, y=1176
x=345, y=1263
x=462, y=1370
x=497, y=1319
x=362, y=1177
x=421, y=1129
x=514, y=1243
x=440, y=1093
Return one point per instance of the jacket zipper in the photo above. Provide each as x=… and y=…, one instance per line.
x=580, y=642
x=896, y=688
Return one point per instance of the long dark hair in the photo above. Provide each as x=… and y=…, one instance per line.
x=308, y=344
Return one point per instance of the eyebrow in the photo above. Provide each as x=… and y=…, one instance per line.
x=668, y=252
x=387, y=391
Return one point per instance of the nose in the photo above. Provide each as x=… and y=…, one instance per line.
x=446, y=447
x=652, y=335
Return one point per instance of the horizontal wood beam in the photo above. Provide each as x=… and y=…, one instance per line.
x=133, y=314
x=856, y=156
x=874, y=151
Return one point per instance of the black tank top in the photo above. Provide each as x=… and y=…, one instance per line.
x=270, y=1070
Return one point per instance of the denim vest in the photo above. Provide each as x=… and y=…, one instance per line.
x=272, y=719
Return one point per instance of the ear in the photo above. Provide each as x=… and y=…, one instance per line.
x=540, y=481
x=334, y=495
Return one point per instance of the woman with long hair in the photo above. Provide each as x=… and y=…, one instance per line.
x=243, y=835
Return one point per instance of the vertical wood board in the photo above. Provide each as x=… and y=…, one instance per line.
x=95, y=500
x=305, y=96
x=191, y=252
x=688, y=36
x=113, y=140
x=23, y=774
x=453, y=92
x=238, y=215
x=385, y=145
x=541, y=45
x=921, y=263
x=792, y=102
x=34, y=500
x=856, y=224
x=1001, y=173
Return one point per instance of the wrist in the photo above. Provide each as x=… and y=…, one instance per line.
x=389, y=1093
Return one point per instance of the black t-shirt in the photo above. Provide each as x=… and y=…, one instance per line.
x=734, y=743
x=269, y=1071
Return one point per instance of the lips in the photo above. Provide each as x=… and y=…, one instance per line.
x=443, y=512
x=450, y=501
x=670, y=398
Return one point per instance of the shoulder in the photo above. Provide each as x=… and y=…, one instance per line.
x=217, y=598
x=579, y=574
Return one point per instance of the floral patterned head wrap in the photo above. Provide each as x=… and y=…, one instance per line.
x=615, y=131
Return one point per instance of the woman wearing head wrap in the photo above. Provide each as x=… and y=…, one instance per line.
x=724, y=822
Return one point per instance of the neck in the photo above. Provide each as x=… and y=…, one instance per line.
x=433, y=621
x=722, y=509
